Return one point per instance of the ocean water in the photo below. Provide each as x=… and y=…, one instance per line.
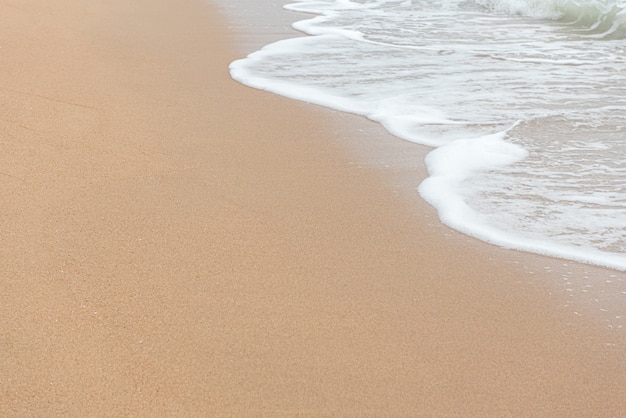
x=522, y=101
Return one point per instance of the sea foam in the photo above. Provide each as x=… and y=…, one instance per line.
x=524, y=101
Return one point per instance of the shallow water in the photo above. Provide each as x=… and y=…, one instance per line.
x=523, y=100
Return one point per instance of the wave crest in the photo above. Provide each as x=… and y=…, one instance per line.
x=595, y=18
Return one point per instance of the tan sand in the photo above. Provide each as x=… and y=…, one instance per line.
x=175, y=244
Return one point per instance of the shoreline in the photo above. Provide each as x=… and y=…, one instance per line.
x=184, y=245
x=587, y=289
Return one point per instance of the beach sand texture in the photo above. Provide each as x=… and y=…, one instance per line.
x=176, y=244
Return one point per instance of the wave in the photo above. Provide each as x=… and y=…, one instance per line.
x=604, y=19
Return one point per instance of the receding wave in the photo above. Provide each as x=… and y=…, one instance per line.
x=595, y=18
x=527, y=114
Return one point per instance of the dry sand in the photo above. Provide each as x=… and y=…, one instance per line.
x=175, y=244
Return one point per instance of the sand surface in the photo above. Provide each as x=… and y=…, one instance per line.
x=176, y=244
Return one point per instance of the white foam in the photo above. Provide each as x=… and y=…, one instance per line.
x=242, y=71
x=452, y=165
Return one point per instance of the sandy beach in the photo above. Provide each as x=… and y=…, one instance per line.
x=177, y=244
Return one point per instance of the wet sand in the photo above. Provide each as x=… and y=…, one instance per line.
x=176, y=244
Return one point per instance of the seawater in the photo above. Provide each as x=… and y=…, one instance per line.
x=523, y=101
